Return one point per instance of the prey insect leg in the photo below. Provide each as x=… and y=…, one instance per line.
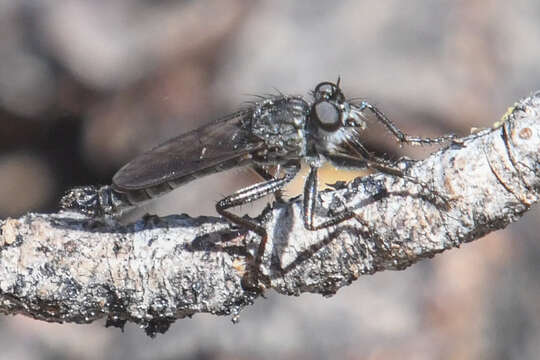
x=250, y=194
x=400, y=135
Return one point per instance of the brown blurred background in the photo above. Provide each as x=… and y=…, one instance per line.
x=86, y=85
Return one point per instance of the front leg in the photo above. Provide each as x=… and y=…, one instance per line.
x=400, y=135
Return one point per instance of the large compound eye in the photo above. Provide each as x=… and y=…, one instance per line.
x=328, y=91
x=327, y=115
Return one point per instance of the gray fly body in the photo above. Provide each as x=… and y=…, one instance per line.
x=276, y=133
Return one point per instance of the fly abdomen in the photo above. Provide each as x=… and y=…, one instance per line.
x=106, y=201
x=97, y=201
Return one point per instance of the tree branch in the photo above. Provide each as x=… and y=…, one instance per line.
x=67, y=268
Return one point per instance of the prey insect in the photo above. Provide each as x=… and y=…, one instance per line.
x=278, y=131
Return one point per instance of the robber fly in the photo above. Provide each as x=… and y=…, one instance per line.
x=279, y=131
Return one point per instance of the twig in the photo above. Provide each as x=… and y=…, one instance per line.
x=67, y=268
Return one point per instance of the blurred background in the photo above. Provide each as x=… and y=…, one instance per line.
x=87, y=85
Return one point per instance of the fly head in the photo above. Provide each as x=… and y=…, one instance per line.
x=334, y=123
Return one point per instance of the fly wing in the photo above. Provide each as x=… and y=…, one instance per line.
x=209, y=149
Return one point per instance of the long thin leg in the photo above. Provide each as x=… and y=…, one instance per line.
x=310, y=203
x=311, y=186
x=359, y=157
x=250, y=194
x=363, y=159
x=368, y=160
x=263, y=172
x=386, y=167
x=400, y=135
x=310, y=197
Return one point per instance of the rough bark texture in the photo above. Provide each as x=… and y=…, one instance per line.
x=67, y=268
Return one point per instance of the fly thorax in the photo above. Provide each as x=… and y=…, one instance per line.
x=280, y=123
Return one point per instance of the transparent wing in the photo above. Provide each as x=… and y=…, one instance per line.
x=209, y=149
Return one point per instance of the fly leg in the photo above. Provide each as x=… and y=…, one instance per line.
x=400, y=135
x=388, y=168
x=362, y=158
x=310, y=203
x=252, y=193
x=311, y=185
x=367, y=160
x=263, y=172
